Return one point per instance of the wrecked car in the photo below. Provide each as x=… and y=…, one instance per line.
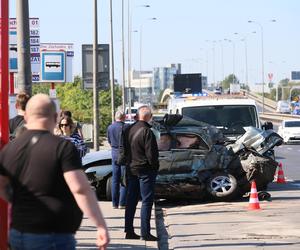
x=198, y=162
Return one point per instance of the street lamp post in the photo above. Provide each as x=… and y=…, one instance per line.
x=233, y=59
x=222, y=58
x=141, y=42
x=112, y=70
x=262, y=63
x=123, y=59
x=95, y=80
x=213, y=60
x=262, y=60
x=244, y=39
x=129, y=51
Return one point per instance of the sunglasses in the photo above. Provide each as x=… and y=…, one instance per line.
x=64, y=125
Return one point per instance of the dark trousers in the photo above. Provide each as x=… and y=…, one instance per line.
x=140, y=185
x=118, y=191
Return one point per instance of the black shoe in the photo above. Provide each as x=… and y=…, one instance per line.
x=149, y=237
x=131, y=236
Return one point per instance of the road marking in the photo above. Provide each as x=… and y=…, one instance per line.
x=289, y=148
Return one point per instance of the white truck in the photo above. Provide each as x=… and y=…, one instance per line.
x=229, y=113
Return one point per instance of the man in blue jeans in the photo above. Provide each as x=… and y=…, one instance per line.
x=141, y=148
x=50, y=190
x=114, y=139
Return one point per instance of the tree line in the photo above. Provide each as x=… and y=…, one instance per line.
x=79, y=101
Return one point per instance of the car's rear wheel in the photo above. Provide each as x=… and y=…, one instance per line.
x=222, y=187
x=108, y=189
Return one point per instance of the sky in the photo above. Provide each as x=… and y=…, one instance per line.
x=189, y=32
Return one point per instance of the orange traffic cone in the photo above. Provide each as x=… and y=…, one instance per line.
x=280, y=175
x=253, y=201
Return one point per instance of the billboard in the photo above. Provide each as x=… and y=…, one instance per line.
x=295, y=75
x=188, y=83
x=103, y=66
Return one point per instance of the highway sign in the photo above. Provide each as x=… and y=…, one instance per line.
x=53, y=66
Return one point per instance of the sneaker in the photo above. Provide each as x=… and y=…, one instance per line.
x=122, y=207
x=131, y=236
x=115, y=207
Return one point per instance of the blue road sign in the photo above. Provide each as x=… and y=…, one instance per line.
x=53, y=66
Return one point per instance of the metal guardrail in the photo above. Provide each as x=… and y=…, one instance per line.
x=271, y=106
x=277, y=118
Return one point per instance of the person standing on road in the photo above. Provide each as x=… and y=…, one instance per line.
x=16, y=123
x=142, y=152
x=114, y=133
x=50, y=189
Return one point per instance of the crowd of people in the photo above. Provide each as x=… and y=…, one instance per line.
x=41, y=175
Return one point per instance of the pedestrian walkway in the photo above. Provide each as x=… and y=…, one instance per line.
x=86, y=235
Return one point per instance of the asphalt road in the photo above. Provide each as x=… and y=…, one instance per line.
x=288, y=155
x=230, y=225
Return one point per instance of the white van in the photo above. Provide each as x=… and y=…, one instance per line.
x=229, y=114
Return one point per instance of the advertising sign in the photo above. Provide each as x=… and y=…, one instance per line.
x=34, y=27
x=103, y=66
x=53, y=66
x=295, y=75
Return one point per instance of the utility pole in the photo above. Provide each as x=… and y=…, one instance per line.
x=129, y=57
x=112, y=70
x=95, y=80
x=4, y=129
x=123, y=60
x=23, y=47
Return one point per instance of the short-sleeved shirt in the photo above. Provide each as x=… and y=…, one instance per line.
x=42, y=201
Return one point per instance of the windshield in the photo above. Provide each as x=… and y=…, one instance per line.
x=230, y=119
x=292, y=124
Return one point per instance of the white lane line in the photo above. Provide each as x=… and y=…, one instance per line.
x=289, y=148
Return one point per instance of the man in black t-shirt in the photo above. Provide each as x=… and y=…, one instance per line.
x=49, y=186
x=17, y=122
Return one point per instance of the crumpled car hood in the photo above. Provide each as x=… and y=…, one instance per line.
x=258, y=139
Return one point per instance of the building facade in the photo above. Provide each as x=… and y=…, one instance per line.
x=163, y=77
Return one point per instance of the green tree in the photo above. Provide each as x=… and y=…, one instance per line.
x=80, y=102
x=228, y=80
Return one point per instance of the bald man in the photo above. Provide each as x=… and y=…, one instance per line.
x=143, y=154
x=50, y=190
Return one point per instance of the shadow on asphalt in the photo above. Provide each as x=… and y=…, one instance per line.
x=112, y=246
x=258, y=244
x=295, y=185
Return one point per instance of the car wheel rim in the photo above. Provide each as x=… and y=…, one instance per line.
x=221, y=184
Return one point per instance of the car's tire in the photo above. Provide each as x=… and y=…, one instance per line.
x=222, y=186
x=108, y=189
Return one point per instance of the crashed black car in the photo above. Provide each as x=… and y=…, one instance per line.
x=198, y=162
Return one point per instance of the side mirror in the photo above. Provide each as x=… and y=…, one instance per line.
x=267, y=125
